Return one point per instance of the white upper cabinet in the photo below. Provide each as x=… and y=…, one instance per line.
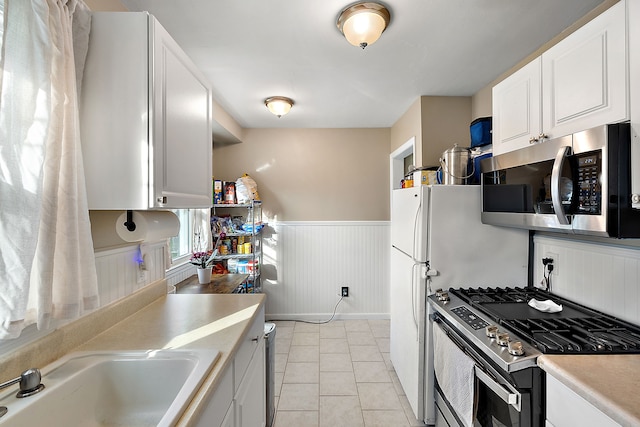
x=581, y=83
x=517, y=113
x=145, y=118
x=585, y=76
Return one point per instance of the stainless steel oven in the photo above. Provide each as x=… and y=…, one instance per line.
x=486, y=342
x=500, y=399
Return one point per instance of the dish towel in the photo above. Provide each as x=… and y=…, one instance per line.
x=455, y=372
x=546, y=306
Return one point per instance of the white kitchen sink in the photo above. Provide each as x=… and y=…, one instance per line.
x=124, y=388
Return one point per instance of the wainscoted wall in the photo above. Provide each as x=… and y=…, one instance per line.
x=119, y=274
x=604, y=276
x=177, y=274
x=306, y=263
x=118, y=277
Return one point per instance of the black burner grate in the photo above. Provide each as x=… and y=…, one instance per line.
x=576, y=329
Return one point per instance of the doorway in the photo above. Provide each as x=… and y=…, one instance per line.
x=401, y=159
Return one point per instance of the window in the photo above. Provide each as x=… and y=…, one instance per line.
x=180, y=245
x=195, y=229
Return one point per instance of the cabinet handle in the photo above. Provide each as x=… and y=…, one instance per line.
x=256, y=338
x=162, y=200
x=533, y=140
x=543, y=136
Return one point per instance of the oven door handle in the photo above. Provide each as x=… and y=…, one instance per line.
x=511, y=397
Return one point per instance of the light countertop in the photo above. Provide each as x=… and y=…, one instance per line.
x=189, y=322
x=608, y=382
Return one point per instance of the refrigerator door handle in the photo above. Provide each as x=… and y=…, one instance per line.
x=415, y=232
x=414, y=291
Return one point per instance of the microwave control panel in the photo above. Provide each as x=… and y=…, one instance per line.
x=589, y=185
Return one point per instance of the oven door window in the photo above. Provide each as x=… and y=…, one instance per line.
x=492, y=411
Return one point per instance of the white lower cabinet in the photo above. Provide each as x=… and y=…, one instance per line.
x=565, y=408
x=219, y=410
x=250, y=399
x=230, y=417
x=240, y=398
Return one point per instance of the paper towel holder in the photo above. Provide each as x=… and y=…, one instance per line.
x=131, y=226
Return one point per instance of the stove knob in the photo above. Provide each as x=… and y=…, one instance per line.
x=502, y=339
x=444, y=296
x=491, y=331
x=515, y=348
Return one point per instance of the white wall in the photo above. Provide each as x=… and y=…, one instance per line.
x=306, y=263
x=603, y=276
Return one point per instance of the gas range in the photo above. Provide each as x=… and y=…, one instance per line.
x=501, y=324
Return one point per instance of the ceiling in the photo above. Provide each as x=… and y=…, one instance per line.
x=254, y=49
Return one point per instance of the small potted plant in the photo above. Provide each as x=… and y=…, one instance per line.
x=203, y=260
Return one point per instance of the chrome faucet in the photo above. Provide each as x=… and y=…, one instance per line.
x=29, y=383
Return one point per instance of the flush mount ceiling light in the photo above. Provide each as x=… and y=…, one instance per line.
x=363, y=23
x=279, y=105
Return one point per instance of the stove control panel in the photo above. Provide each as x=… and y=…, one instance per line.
x=469, y=318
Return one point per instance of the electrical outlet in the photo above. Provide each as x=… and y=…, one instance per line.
x=556, y=262
x=345, y=291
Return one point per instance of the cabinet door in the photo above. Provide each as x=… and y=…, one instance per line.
x=219, y=408
x=250, y=400
x=565, y=408
x=114, y=111
x=584, y=76
x=230, y=418
x=181, y=131
x=516, y=109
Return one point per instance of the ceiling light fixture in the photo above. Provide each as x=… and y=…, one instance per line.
x=363, y=23
x=279, y=105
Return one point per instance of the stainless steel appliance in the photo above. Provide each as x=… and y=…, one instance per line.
x=579, y=183
x=503, y=336
x=438, y=240
x=270, y=351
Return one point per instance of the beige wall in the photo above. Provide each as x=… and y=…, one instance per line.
x=106, y=5
x=406, y=127
x=313, y=174
x=437, y=122
x=445, y=122
x=481, y=103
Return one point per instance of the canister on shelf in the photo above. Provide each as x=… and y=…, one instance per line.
x=247, y=248
x=243, y=267
x=234, y=245
x=232, y=265
x=240, y=248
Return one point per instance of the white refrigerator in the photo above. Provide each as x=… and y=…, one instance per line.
x=438, y=241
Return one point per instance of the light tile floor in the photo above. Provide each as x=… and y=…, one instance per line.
x=337, y=374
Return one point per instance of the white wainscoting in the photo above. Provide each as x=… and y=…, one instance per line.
x=118, y=271
x=602, y=276
x=305, y=264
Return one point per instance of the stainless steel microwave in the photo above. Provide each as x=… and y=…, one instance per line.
x=580, y=183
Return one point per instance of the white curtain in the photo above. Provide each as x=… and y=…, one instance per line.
x=47, y=264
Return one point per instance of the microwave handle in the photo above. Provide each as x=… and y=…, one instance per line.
x=558, y=164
